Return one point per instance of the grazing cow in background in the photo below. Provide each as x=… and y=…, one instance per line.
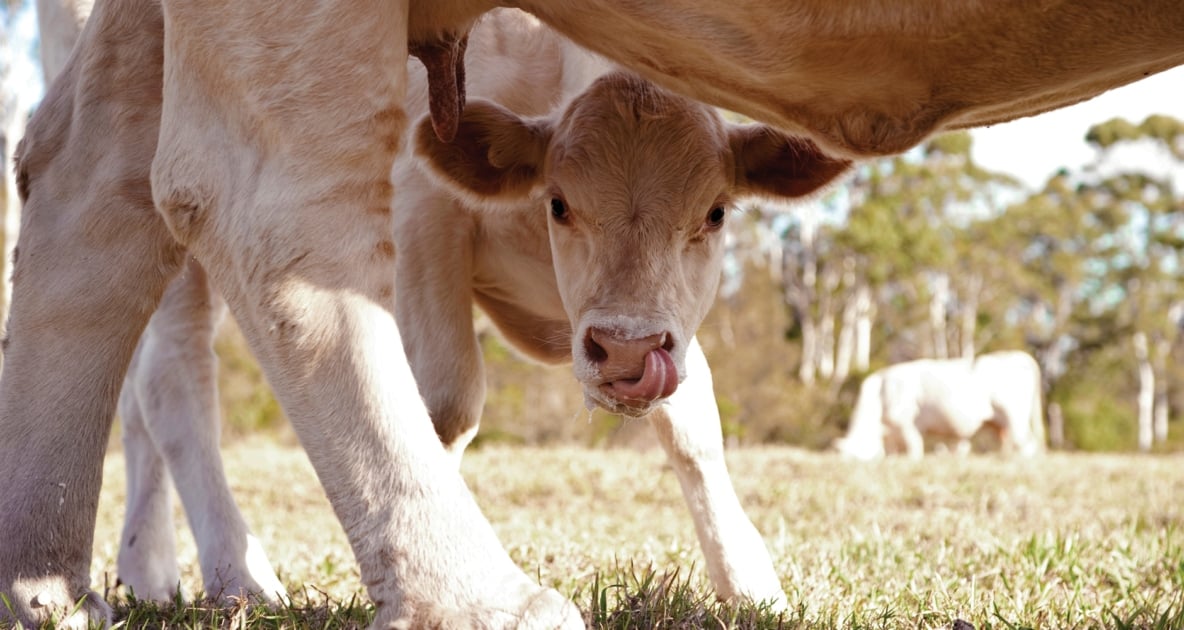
x=278, y=126
x=621, y=135
x=948, y=399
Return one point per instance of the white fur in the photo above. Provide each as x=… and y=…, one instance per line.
x=950, y=399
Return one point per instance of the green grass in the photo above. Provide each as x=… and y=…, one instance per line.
x=1064, y=541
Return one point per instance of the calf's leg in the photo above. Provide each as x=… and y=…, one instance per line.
x=147, y=560
x=274, y=169
x=173, y=386
x=433, y=282
x=688, y=427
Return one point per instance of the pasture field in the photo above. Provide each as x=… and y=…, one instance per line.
x=1061, y=541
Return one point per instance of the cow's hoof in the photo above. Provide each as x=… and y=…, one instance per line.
x=549, y=609
x=541, y=609
x=47, y=603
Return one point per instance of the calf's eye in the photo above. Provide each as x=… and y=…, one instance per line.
x=715, y=218
x=558, y=209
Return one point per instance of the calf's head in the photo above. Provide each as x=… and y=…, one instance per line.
x=636, y=184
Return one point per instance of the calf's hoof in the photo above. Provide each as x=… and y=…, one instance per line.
x=42, y=601
x=251, y=578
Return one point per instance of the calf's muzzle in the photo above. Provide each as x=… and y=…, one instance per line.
x=633, y=371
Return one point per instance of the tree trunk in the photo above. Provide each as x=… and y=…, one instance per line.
x=806, y=368
x=969, y=320
x=1159, y=420
x=826, y=323
x=1056, y=426
x=939, y=291
x=1146, y=397
x=801, y=290
x=845, y=349
x=865, y=313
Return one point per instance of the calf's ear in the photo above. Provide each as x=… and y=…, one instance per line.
x=770, y=163
x=496, y=156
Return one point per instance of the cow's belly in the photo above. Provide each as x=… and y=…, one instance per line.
x=954, y=418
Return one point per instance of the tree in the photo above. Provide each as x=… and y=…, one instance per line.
x=1145, y=269
x=909, y=233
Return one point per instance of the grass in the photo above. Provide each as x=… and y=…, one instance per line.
x=1063, y=541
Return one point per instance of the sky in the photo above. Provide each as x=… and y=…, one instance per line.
x=1034, y=148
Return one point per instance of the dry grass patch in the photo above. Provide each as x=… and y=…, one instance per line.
x=1062, y=541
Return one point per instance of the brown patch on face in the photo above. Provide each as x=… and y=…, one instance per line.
x=386, y=292
x=385, y=249
x=381, y=211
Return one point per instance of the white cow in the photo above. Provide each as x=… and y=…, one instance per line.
x=621, y=136
x=278, y=126
x=947, y=399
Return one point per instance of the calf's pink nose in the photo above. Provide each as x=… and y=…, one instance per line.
x=638, y=369
x=619, y=357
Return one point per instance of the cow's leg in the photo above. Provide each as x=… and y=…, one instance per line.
x=914, y=442
x=433, y=282
x=174, y=379
x=78, y=307
x=94, y=258
x=688, y=426
x=274, y=169
x=147, y=561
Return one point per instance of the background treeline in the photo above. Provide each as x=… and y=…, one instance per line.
x=923, y=255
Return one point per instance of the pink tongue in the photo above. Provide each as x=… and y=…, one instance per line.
x=659, y=380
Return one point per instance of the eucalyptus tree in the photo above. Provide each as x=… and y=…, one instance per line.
x=908, y=233
x=1145, y=285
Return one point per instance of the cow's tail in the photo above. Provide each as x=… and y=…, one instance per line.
x=1039, y=441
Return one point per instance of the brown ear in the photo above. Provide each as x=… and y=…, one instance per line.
x=496, y=155
x=773, y=164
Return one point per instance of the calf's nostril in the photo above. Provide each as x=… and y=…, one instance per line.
x=596, y=352
x=667, y=342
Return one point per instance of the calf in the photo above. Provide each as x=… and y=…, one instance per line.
x=593, y=236
x=606, y=228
